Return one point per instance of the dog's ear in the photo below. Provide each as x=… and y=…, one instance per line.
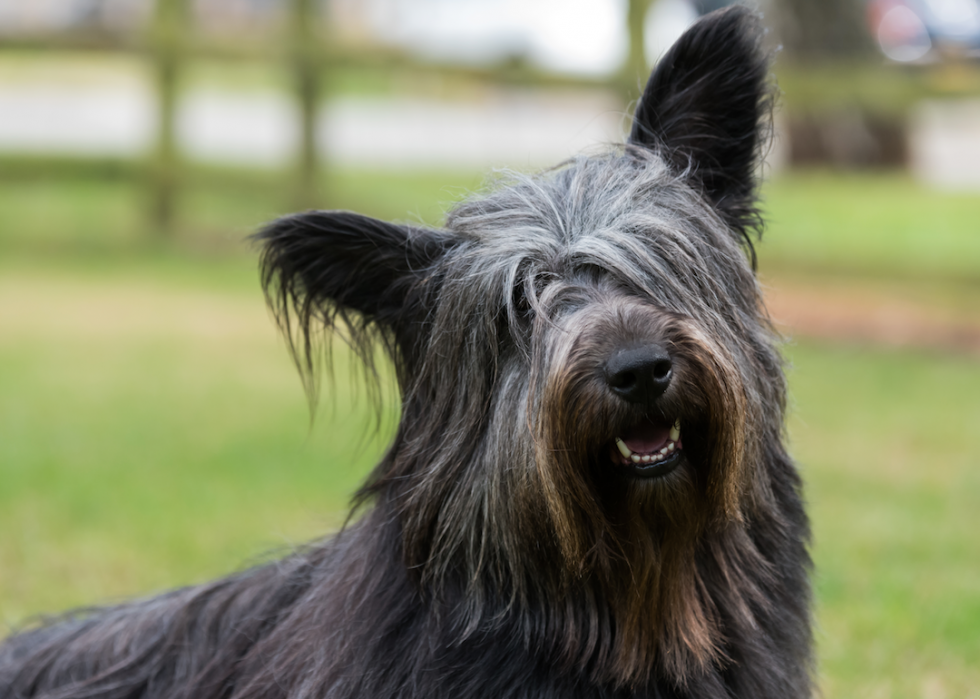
x=707, y=108
x=324, y=269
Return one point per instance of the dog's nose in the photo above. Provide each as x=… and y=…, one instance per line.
x=640, y=374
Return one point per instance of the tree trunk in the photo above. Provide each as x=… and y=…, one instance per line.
x=820, y=30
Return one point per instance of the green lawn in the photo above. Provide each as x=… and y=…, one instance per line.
x=890, y=449
x=100, y=217
x=880, y=225
x=153, y=431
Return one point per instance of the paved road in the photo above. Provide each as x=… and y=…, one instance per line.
x=500, y=128
x=945, y=144
x=496, y=128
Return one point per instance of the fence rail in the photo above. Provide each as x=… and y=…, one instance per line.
x=169, y=43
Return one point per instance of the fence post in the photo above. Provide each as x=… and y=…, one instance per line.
x=168, y=31
x=306, y=69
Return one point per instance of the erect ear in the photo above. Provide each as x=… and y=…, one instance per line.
x=707, y=107
x=323, y=269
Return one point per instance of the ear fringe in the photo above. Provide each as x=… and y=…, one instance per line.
x=335, y=273
x=708, y=109
x=308, y=319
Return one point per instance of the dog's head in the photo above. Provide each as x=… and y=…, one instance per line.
x=590, y=389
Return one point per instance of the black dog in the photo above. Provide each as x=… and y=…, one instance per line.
x=588, y=494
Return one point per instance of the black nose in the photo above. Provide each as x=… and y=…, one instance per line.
x=640, y=374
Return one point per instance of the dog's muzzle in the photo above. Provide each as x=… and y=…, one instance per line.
x=651, y=447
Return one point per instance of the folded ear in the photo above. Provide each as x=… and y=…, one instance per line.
x=324, y=269
x=707, y=107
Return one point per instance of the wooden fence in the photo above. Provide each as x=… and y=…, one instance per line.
x=170, y=42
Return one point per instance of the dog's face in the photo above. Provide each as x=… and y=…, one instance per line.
x=586, y=371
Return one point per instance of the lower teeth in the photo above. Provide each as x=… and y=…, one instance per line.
x=652, y=458
x=629, y=455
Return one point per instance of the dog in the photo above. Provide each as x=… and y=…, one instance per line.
x=587, y=495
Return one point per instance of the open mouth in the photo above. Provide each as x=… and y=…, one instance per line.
x=649, y=448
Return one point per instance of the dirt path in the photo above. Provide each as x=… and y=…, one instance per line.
x=891, y=314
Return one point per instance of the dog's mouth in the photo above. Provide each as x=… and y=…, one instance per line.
x=650, y=448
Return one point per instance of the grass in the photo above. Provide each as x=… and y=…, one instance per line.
x=153, y=431
x=891, y=456
x=155, y=434
x=68, y=217
x=884, y=225
x=872, y=86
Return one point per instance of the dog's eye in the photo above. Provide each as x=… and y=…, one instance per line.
x=521, y=302
x=526, y=305
x=524, y=292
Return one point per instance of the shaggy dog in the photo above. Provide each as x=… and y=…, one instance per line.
x=588, y=493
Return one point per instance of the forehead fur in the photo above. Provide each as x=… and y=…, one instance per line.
x=623, y=215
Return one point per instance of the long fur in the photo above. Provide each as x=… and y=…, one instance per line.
x=500, y=552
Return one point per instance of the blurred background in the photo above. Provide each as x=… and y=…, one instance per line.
x=153, y=431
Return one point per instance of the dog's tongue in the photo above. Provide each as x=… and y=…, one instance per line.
x=647, y=436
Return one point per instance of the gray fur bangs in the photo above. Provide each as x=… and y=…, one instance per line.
x=624, y=213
